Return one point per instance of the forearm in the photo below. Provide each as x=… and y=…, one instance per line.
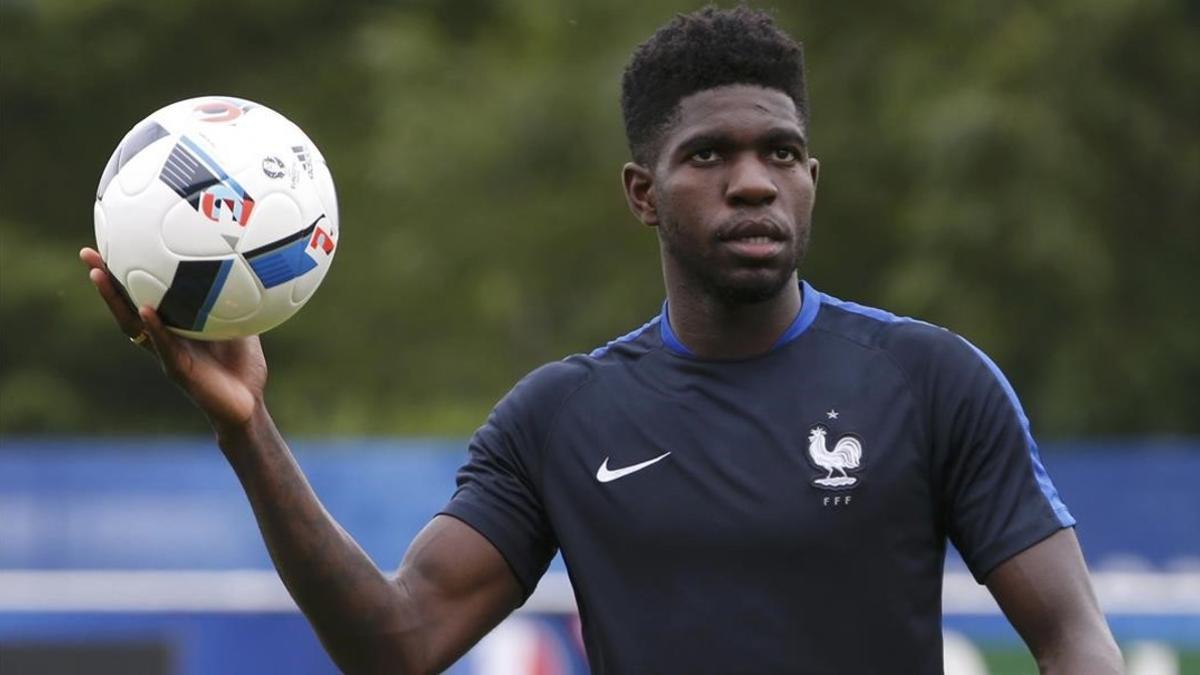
x=1082, y=664
x=1047, y=595
x=1088, y=650
x=356, y=610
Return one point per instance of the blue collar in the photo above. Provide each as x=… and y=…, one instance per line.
x=810, y=303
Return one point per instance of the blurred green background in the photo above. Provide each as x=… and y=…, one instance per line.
x=1027, y=174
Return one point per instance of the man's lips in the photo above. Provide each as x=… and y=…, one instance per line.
x=757, y=239
x=751, y=228
x=758, y=248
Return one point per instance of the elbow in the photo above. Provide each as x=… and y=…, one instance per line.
x=375, y=655
x=384, y=641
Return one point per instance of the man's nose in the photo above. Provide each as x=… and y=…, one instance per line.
x=750, y=183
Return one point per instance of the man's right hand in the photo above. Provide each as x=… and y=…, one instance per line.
x=225, y=379
x=453, y=585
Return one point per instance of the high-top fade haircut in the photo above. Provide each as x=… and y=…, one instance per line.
x=702, y=50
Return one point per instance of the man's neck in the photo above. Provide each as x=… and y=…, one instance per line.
x=713, y=328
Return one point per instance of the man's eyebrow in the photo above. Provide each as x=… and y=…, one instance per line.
x=782, y=136
x=704, y=140
x=718, y=140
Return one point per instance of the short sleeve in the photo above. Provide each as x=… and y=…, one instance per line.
x=996, y=497
x=498, y=488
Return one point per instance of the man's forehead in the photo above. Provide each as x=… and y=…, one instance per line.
x=733, y=109
x=735, y=105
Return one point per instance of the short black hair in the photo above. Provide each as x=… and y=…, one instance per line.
x=702, y=50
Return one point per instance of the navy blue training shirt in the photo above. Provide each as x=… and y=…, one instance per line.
x=786, y=513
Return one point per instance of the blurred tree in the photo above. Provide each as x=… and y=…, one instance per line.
x=1025, y=174
x=1043, y=178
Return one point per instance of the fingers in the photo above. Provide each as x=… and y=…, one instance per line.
x=114, y=296
x=91, y=257
x=172, y=351
x=154, y=326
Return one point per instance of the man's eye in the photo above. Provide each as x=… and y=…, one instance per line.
x=705, y=156
x=785, y=155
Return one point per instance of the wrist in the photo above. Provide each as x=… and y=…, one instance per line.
x=235, y=435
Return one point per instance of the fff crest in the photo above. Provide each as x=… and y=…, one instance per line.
x=845, y=457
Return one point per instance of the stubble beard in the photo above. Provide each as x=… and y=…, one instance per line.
x=724, y=286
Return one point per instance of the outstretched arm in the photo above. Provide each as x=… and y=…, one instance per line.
x=453, y=585
x=1047, y=595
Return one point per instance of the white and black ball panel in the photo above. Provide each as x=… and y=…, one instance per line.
x=187, y=233
x=304, y=286
x=276, y=215
x=212, y=140
x=241, y=297
x=327, y=194
x=215, y=329
x=145, y=288
x=193, y=292
x=101, y=227
x=142, y=135
x=321, y=250
x=132, y=238
x=140, y=172
x=226, y=212
x=109, y=173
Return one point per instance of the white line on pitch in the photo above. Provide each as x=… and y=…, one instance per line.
x=1133, y=593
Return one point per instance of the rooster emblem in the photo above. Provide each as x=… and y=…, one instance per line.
x=846, y=454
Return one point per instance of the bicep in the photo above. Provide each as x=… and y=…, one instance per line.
x=1047, y=595
x=460, y=587
x=997, y=498
x=478, y=560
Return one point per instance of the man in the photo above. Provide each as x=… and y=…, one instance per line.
x=761, y=479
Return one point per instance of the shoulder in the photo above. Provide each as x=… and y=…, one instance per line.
x=632, y=345
x=545, y=388
x=521, y=421
x=917, y=347
x=549, y=387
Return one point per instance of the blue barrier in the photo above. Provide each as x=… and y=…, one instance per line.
x=173, y=505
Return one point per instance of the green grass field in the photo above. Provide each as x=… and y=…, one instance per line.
x=1017, y=661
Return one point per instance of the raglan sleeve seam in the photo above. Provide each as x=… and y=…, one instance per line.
x=544, y=445
x=914, y=399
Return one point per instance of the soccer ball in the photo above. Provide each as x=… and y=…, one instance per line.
x=220, y=213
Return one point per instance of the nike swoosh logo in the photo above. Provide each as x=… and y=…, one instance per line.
x=605, y=475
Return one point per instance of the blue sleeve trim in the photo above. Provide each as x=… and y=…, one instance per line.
x=863, y=310
x=1039, y=470
x=810, y=304
x=628, y=337
x=668, y=335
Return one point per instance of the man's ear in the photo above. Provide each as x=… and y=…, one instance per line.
x=639, y=193
x=814, y=169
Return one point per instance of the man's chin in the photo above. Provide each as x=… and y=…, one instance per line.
x=747, y=289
